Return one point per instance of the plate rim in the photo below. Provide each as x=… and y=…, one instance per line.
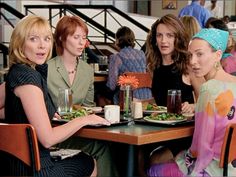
x=164, y=121
x=156, y=111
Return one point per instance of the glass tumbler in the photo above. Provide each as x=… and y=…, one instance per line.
x=174, y=101
x=64, y=101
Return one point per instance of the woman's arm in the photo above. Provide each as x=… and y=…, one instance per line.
x=34, y=106
x=89, y=99
x=2, y=100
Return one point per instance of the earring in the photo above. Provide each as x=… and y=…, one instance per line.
x=217, y=65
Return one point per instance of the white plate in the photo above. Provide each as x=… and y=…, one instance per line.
x=96, y=109
x=156, y=111
x=100, y=72
x=164, y=121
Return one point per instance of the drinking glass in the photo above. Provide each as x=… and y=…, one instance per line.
x=64, y=101
x=174, y=101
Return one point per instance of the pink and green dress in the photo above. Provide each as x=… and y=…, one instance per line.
x=215, y=109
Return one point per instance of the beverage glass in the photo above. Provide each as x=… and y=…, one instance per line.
x=64, y=101
x=174, y=101
x=137, y=109
x=103, y=63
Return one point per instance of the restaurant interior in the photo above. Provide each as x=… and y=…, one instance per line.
x=133, y=130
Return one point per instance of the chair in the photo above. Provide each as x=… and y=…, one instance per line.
x=144, y=79
x=228, y=150
x=20, y=140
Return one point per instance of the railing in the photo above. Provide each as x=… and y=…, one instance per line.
x=4, y=19
x=103, y=20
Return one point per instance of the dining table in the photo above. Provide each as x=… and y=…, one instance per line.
x=100, y=76
x=135, y=134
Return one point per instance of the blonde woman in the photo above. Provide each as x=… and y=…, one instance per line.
x=191, y=25
x=27, y=101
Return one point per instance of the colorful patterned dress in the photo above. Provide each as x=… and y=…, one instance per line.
x=215, y=109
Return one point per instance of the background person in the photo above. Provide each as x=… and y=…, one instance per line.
x=127, y=59
x=213, y=112
x=197, y=10
x=214, y=9
x=27, y=101
x=191, y=25
x=228, y=61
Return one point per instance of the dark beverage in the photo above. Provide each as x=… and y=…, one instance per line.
x=103, y=63
x=174, y=101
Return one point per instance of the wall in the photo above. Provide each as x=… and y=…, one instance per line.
x=157, y=11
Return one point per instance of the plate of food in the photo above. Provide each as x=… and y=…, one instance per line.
x=79, y=112
x=165, y=118
x=153, y=108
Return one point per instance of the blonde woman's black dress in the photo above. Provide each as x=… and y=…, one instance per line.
x=78, y=165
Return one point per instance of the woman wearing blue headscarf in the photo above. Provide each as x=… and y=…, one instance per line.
x=215, y=109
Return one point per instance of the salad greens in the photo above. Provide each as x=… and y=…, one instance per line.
x=74, y=114
x=165, y=116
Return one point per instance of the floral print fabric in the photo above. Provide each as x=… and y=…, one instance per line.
x=215, y=109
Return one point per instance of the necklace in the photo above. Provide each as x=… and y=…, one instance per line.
x=75, y=69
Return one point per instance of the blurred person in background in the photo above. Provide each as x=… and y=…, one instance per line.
x=127, y=59
x=196, y=9
x=228, y=60
x=191, y=25
x=214, y=9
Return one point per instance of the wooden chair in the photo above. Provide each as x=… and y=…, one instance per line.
x=145, y=79
x=20, y=140
x=228, y=151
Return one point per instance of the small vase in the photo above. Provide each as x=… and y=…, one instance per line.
x=126, y=101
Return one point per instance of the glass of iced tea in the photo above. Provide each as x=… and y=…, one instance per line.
x=174, y=101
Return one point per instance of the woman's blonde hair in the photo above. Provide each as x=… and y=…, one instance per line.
x=19, y=35
x=191, y=25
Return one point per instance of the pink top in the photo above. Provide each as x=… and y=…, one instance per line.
x=229, y=63
x=215, y=109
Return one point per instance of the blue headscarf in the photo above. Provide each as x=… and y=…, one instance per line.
x=218, y=39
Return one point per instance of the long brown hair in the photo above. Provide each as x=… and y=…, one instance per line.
x=180, y=55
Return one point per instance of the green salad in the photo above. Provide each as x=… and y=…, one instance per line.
x=154, y=107
x=75, y=113
x=165, y=116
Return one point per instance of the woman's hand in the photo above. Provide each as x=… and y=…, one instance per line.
x=188, y=108
x=56, y=115
x=93, y=119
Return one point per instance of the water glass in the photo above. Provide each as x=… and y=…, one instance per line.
x=174, y=101
x=64, y=101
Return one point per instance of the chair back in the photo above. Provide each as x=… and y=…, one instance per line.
x=144, y=79
x=228, y=150
x=20, y=140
